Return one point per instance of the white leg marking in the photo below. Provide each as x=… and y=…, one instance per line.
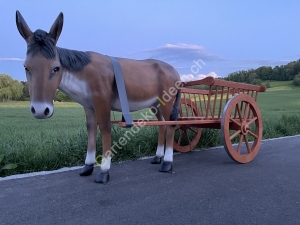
x=160, y=150
x=90, y=157
x=169, y=155
x=105, y=163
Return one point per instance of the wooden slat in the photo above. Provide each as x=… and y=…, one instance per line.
x=215, y=101
x=221, y=102
x=208, y=109
x=201, y=108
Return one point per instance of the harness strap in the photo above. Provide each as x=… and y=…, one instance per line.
x=126, y=117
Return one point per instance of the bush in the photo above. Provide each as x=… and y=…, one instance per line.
x=296, y=80
x=61, y=97
x=257, y=82
x=267, y=84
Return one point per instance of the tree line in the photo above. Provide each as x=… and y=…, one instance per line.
x=286, y=72
x=11, y=89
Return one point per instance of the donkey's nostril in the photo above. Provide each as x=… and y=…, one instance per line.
x=46, y=112
x=32, y=110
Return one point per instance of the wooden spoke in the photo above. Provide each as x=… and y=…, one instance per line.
x=235, y=134
x=194, y=131
x=180, y=136
x=247, y=111
x=187, y=136
x=242, y=105
x=251, y=121
x=252, y=134
x=247, y=144
x=240, y=144
x=239, y=112
x=236, y=122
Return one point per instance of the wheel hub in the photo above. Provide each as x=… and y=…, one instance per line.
x=245, y=128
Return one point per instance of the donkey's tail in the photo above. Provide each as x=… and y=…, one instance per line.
x=175, y=110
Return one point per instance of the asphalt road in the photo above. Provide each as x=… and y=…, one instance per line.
x=206, y=188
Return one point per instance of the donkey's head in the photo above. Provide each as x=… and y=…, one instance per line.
x=42, y=65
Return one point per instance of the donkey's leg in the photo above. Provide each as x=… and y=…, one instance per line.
x=161, y=139
x=91, y=149
x=166, y=166
x=160, y=146
x=105, y=128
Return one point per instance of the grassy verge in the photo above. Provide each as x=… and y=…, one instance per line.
x=60, y=141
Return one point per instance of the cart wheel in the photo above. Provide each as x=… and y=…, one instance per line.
x=242, y=124
x=186, y=137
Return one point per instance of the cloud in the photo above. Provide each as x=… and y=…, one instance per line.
x=190, y=77
x=12, y=59
x=181, y=53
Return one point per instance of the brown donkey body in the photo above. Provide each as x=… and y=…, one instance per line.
x=88, y=78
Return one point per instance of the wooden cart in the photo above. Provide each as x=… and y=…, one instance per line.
x=218, y=104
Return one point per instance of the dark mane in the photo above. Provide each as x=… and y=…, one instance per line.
x=72, y=60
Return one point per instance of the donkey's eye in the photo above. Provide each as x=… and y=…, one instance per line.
x=55, y=70
x=27, y=71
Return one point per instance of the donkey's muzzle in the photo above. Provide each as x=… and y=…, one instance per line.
x=41, y=110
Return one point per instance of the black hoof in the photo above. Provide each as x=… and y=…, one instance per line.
x=156, y=160
x=166, y=167
x=87, y=170
x=102, y=177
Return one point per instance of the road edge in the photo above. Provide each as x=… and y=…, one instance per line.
x=65, y=169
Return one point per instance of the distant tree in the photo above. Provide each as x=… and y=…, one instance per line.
x=252, y=77
x=276, y=74
x=291, y=70
x=296, y=80
x=25, y=95
x=264, y=72
x=9, y=88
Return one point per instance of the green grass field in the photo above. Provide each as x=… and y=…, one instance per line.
x=280, y=107
x=283, y=98
x=61, y=141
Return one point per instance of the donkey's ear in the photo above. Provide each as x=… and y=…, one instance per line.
x=57, y=26
x=22, y=26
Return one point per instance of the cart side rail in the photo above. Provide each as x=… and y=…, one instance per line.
x=209, y=103
x=209, y=81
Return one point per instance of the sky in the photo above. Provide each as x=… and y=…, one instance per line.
x=198, y=38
